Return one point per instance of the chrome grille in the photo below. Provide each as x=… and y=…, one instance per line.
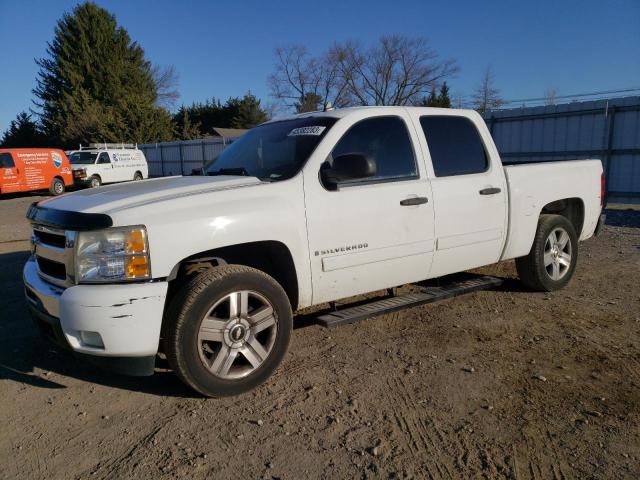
x=53, y=250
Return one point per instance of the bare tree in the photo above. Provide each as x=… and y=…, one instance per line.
x=166, y=83
x=487, y=96
x=397, y=70
x=550, y=96
x=305, y=82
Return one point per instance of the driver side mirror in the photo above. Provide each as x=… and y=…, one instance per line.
x=347, y=168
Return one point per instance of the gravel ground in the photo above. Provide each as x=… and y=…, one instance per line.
x=496, y=384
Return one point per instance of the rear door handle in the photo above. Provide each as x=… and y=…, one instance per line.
x=490, y=191
x=407, y=202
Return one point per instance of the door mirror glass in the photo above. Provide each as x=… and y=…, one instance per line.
x=348, y=168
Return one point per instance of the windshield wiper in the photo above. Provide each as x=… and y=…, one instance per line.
x=238, y=171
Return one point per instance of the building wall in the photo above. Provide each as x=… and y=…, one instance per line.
x=605, y=129
x=181, y=157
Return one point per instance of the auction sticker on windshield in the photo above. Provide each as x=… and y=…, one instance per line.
x=313, y=130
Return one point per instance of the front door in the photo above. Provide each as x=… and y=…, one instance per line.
x=375, y=233
x=469, y=194
x=105, y=168
x=10, y=175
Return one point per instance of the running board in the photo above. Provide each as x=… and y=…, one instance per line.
x=448, y=288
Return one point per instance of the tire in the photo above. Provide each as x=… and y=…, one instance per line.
x=553, y=256
x=137, y=176
x=57, y=187
x=214, y=350
x=95, y=181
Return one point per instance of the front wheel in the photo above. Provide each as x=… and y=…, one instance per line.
x=95, y=181
x=553, y=256
x=227, y=330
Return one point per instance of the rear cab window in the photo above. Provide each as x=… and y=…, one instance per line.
x=384, y=139
x=455, y=145
x=6, y=160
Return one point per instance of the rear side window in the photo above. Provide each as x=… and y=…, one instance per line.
x=455, y=145
x=386, y=140
x=6, y=160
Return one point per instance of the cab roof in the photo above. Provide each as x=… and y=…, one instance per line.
x=343, y=112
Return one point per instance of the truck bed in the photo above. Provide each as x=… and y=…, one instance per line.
x=534, y=184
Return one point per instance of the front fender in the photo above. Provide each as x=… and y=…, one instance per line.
x=179, y=228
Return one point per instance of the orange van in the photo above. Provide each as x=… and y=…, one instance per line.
x=27, y=169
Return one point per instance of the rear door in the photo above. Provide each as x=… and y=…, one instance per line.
x=141, y=162
x=11, y=176
x=375, y=233
x=469, y=191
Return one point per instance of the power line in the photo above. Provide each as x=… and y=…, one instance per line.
x=577, y=95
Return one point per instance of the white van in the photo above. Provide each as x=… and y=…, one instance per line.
x=108, y=163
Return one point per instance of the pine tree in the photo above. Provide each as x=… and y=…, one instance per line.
x=23, y=132
x=310, y=102
x=431, y=100
x=95, y=85
x=249, y=113
x=186, y=129
x=443, y=98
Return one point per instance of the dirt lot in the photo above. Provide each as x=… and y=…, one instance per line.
x=500, y=384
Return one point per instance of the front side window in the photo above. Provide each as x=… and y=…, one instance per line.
x=6, y=160
x=455, y=145
x=104, y=158
x=272, y=151
x=83, y=158
x=385, y=140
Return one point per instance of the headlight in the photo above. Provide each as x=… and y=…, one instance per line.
x=112, y=255
x=80, y=173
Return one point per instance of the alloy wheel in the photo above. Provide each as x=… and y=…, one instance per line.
x=237, y=334
x=557, y=253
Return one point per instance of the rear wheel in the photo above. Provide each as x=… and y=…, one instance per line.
x=137, y=176
x=227, y=330
x=95, y=181
x=553, y=256
x=57, y=187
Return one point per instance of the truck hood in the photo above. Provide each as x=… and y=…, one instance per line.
x=122, y=196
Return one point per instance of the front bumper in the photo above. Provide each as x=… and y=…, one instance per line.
x=81, y=182
x=114, y=325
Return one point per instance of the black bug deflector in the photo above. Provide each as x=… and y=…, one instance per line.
x=67, y=220
x=457, y=285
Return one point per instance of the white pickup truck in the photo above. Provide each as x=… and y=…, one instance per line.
x=300, y=211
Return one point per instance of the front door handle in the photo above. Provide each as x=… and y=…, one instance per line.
x=407, y=202
x=490, y=191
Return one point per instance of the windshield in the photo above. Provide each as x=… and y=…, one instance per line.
x=83, y=158
x=273, y=151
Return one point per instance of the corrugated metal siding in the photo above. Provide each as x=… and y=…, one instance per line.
x=180, y=158
x=604, y=129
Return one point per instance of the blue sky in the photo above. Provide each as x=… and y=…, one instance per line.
x=224, y=49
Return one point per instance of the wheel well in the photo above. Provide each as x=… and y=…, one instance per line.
x=97, y=176
x=138, y=172
x=59, y=178
x=271, y=257
x=571, y=208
